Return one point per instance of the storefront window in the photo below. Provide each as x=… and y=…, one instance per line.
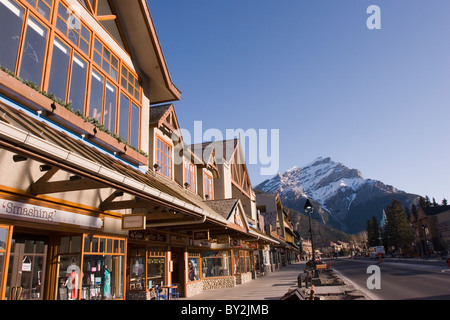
x=236, y=262
x=156, y=263
x=101, y=276
x=147, y=268
x=137, y=276
x=103, y=267
x=216, y=264
x=3, y=240
x=69, y=277
x=247, y=261
x=193, y=266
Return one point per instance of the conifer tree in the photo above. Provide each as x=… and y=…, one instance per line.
x=373, y=232
x=398, y=231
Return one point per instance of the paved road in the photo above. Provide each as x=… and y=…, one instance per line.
x=399, y=279
x=270, y=287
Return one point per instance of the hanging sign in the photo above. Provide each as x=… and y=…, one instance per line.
x=134, y=222
x=201, y=235
x=223, y=239
x=26, y=264
x=236, y=243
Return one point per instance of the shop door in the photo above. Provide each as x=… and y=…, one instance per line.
x=26, y=274
x=178, y=269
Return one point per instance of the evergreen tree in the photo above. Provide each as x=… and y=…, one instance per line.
x=408, y=213
x=373, y=232
x=435, y=204
x=414, y=211
x=424, y=202
x=444, y=202
x=398, y=231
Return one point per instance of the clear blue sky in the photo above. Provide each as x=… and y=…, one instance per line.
x=375, y=100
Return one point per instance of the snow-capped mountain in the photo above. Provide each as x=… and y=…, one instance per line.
x=343, y=198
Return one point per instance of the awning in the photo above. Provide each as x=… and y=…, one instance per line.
x=27, y=134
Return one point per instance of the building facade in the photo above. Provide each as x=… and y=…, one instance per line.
x=431, y=230
x=100, y=197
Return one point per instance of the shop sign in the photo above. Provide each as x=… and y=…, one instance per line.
x=253, y=245
x=236, y=243
x=134, y=222
x=47, y=215
x=223, y=239
x=178, y=240
x=26, y=264
x=147, y=236
x=201, y=235
x=200, y=243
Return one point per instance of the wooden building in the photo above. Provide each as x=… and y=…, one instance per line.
x=99, y=196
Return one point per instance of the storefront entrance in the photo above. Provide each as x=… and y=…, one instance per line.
x=178, y=269
x=27, y=264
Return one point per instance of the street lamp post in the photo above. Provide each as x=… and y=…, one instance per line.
x=309, y=209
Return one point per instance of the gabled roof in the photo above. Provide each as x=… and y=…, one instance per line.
x=164, y=114
x=223, y=149
x=207, y=156
x=232, y=210
x=143, y=42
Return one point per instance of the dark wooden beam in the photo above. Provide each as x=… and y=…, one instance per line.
x=43, y=187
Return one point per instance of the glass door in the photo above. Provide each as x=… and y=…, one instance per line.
x=26, y=274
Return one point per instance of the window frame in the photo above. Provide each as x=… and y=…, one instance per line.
x=208, y=178
x=53, y=28
x=190, y=175
x=44, y=68
x=162, y=164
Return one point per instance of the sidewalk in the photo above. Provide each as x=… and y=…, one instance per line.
x=329, y=286
x=272, y=286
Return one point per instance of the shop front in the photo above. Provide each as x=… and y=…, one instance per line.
x=214, y=267
x=49, y=251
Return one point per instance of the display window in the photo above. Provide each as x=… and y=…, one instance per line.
x=216, y=263
x=147, y=268
x=194, y=266
x=27, y=267
x=5, y=234
x=242, y=261
x=91, y=268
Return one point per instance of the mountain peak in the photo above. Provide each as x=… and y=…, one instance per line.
x=339, y=190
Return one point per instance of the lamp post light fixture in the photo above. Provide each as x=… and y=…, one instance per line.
x=309, y=209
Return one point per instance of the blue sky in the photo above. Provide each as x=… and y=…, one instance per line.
x=375, y=100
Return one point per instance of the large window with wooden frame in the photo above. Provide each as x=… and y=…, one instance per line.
x=5, y=235
x=216, y=263
x=34, y=51
x=48, y=44
x=194, y=266
x=164, y=157
x=190, y=177
x=91, y=268
x=208, y=186
x=147, y=268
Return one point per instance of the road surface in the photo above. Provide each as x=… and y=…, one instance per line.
x=399, y=279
